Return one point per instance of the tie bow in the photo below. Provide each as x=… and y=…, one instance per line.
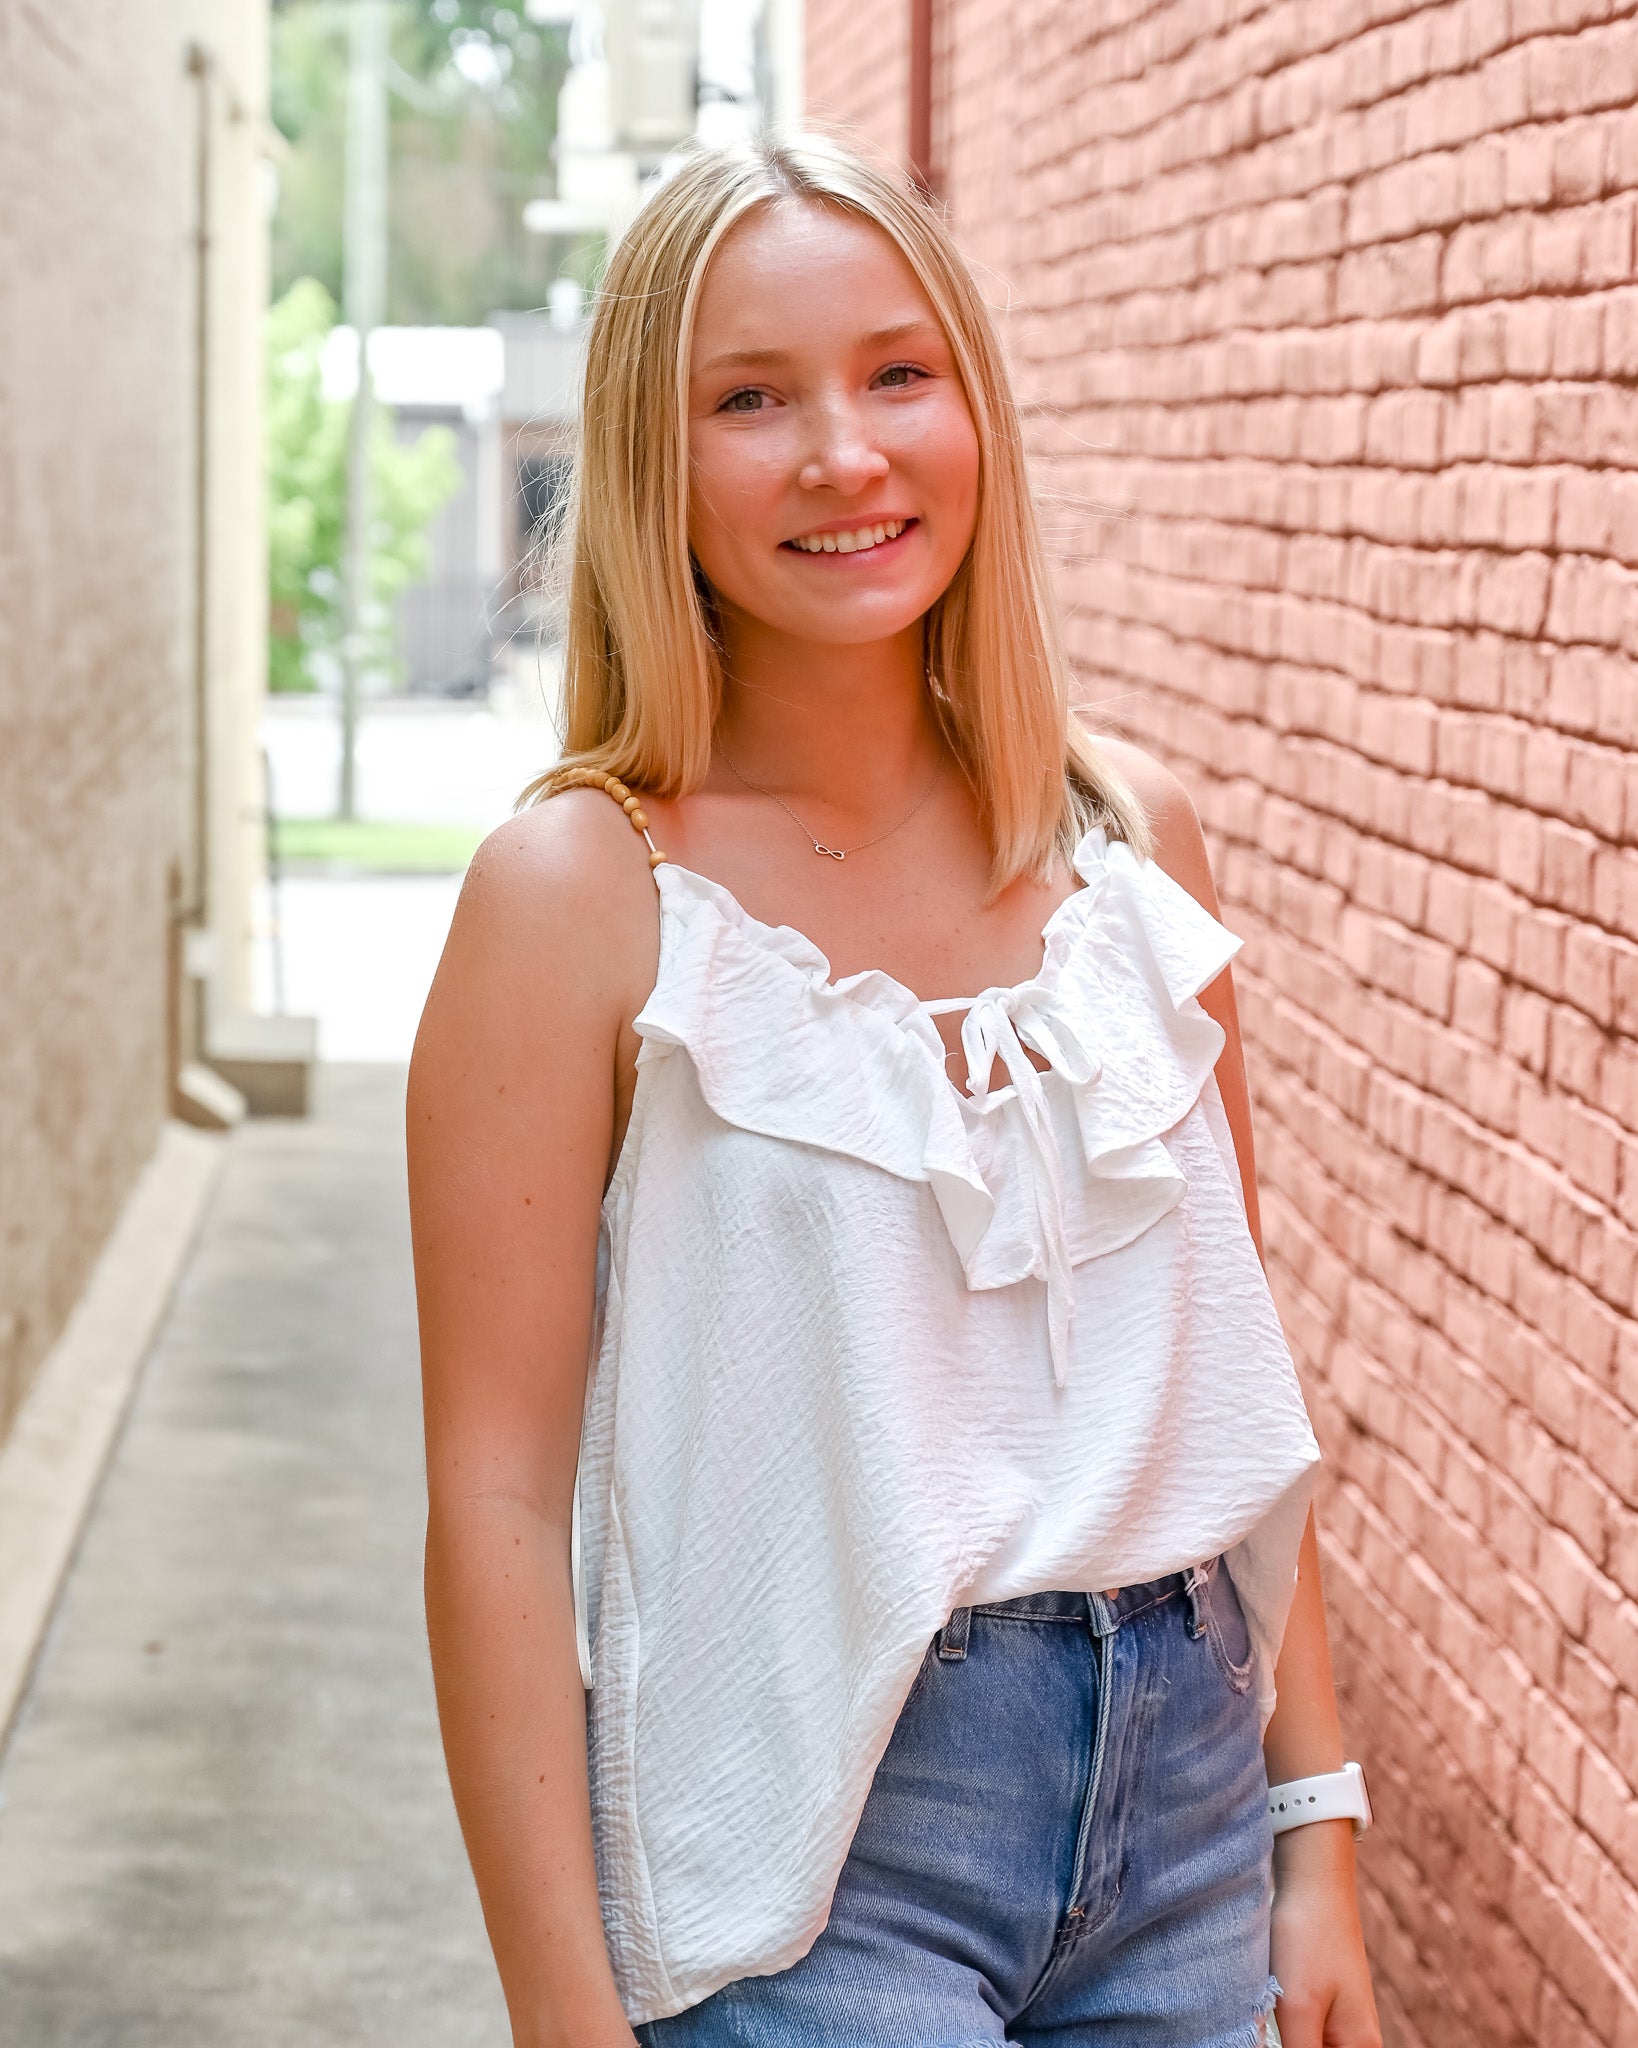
x=1005, y=1025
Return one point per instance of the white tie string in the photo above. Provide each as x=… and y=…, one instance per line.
x=999, y=1024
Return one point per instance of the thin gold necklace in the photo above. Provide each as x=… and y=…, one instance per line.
x=819, y=846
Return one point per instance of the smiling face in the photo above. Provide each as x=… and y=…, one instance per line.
x=833, y=460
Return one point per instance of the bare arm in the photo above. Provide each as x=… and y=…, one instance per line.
x=1319, y=1951
x=512, y=1107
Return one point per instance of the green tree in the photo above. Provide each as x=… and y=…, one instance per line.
x=307, y=499
x=473, y=107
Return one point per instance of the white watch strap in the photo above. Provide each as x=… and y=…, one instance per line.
x=1333, y=1795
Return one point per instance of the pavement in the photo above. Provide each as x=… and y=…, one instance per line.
x=224, y=1820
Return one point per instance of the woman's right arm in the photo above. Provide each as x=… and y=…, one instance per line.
x=510, y=1121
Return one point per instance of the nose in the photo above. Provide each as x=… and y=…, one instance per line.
x=842, y=456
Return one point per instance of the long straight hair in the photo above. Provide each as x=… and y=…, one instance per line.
x=643, y=678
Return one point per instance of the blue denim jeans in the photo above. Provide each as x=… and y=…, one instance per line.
x=1067, y=1842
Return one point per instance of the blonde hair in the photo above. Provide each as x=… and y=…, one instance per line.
x=643, y=680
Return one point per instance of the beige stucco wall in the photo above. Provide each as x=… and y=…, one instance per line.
x=98, y=123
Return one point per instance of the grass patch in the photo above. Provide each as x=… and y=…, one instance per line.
x=375, y=846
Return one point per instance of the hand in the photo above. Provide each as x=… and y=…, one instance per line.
x=1318, y=1947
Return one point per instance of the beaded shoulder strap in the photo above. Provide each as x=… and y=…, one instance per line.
x=592, y=778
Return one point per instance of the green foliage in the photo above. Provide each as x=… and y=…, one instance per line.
x=376, y=847
x=473, y=110
x=307, y=499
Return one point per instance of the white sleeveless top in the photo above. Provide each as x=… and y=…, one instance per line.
x=869, y=1348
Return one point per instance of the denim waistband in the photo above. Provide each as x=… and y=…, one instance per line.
x=1113, y=1609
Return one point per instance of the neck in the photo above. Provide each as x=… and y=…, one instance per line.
x=850, y=725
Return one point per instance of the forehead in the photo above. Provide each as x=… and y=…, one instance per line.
x=794, y=273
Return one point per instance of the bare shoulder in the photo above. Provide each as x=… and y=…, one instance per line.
x=571, y=865
x=1180, y=844
x=557, y=913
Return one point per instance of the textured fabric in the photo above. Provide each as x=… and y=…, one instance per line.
x=872, y=1347
x=1066, y=1844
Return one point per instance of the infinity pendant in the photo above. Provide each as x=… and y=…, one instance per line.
x=830, y=850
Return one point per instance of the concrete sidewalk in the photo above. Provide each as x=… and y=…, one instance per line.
x=223, y=1812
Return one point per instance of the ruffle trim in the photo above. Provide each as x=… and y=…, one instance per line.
x=856, y=1066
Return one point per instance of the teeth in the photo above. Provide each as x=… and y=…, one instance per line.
x=852, y=543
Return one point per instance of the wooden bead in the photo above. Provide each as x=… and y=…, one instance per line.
x=592, y=778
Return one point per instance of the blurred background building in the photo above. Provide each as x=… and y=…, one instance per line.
x=1326, y=325
x=135, y=153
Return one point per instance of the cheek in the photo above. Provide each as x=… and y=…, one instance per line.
x=733, y=492
x=946, y=465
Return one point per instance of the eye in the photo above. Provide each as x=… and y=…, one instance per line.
x=747, y=401
x=899, y=376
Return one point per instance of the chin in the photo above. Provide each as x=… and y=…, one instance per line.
x=864, y=630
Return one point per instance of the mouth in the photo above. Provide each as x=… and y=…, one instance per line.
x=878, y=538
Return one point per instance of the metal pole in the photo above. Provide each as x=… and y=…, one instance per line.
x=275, y=879
x=921, y=95
x=200, y=66
x=365, y=255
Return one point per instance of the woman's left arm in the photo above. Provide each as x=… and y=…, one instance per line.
x=1318, y=1948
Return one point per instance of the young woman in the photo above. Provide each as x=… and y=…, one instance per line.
x=836, y=1242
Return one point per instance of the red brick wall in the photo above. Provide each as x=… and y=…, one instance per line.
x=1325, y=313
x=856, y=69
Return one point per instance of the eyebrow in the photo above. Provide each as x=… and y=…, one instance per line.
x=878, y=337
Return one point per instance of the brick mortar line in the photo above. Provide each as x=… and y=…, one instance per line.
x=1428, y=554
x=1495, y=1146
x=1531, y=1688
x=1250, y=210
x=1178, y=112
x=1512, y=1412
x=1245, y=28
x=1143, y=581
x=1057, y=411
x=1520, y=1852
x=1147, y=686
x=1427, y=315
x=1393, y=1454
x=1517, y=903
x=1358, y=1200
x=1305, y=469
x=1477, y=1133
x=1308, y=472
x=1381, y=1298
x=1448, y=862
x=1423, y=557
x=1144, y=684
x=1574, y=1195
x=1363, y=1580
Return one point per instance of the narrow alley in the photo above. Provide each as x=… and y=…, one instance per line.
x=225, y=1817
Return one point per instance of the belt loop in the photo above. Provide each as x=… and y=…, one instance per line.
x=952, y=1637
x=1196, y=1581
x=1102, y=1615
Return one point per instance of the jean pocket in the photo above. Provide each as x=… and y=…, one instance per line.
x=1226, y=1630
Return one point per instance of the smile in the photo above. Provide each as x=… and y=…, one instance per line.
x=856, y=540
